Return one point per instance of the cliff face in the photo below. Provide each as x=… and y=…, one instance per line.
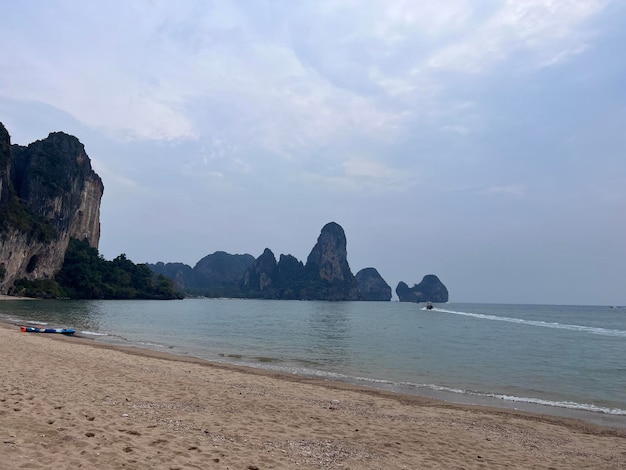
x=49, y=194
x=372, y=286
x=259, y=276
x=5, y=165
x=288, y=270
x=182, y=274
x=221, y=269
x=329, y=260
x=217, y=274
x=326, y=275
x=329, y=255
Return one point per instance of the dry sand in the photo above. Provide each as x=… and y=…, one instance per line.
x=13, y=297
x=68, y=403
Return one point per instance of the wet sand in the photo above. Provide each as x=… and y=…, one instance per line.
x=70, y=402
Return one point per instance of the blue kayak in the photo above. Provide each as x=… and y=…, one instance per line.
x=38, y=329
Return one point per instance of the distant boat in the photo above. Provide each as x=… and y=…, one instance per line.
x=429, y=306
x=38, y=329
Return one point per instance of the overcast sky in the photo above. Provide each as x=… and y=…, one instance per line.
x=481, y=141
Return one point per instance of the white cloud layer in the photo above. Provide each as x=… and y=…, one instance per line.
x=295, y=79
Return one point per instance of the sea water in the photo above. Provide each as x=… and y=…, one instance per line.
x=567, y=360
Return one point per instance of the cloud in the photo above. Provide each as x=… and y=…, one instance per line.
x=365, y=168
x=287, y=79
x=517, y=190
x=357, y=174
x=550, y=31
x=511, y=190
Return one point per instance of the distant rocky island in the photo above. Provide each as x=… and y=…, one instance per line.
x=431, y=289
x=50, y=229
x=326, y=275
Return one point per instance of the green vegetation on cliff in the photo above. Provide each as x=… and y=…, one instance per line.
x=15, y=216
x=291, y=280
x=87, y=275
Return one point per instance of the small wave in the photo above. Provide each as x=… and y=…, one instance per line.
x=150, y=345
x=535, y=401
x=439, y=388
x=404, y=387
x=560, y=404
x=391, y=385
x=539, y=323
x=266, y=359
x=93, y=333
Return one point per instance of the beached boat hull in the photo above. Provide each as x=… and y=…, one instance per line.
x=37, y=329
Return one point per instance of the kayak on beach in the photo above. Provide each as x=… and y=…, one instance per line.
x=37, y=329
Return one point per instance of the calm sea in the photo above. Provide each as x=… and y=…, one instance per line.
x=562, y=360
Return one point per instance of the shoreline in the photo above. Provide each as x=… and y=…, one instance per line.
x=424, y=396
x=578, y=418
x=13, y=297
x=74, y=399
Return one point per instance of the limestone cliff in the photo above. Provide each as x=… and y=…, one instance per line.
x=259, y=276
x=372, y=286
x=289, y=271
x=49, y=194
x=326, y=276
x=329, y=255
x=328, y=261
x=221, y=269
x=181, y=274
x=5, y=165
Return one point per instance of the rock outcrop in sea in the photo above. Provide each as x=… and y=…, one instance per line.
x=217, y=274
x=325, y=276
x=327, y=265
x=222, y=269
x=180, y=273
x=431, y=289
x=49, y=193
x=372, y=286
x=260, y=277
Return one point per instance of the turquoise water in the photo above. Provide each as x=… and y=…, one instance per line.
x=557, y=359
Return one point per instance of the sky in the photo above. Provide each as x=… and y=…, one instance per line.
x=480, y=141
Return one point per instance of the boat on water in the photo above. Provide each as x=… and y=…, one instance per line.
x=39, y=329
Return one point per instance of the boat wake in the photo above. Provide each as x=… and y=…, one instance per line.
x=539, y=323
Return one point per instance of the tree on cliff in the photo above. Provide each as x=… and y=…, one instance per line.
x=87, y=275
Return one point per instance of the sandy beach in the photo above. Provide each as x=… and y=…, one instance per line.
x=13, y=297
x=69, y=402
